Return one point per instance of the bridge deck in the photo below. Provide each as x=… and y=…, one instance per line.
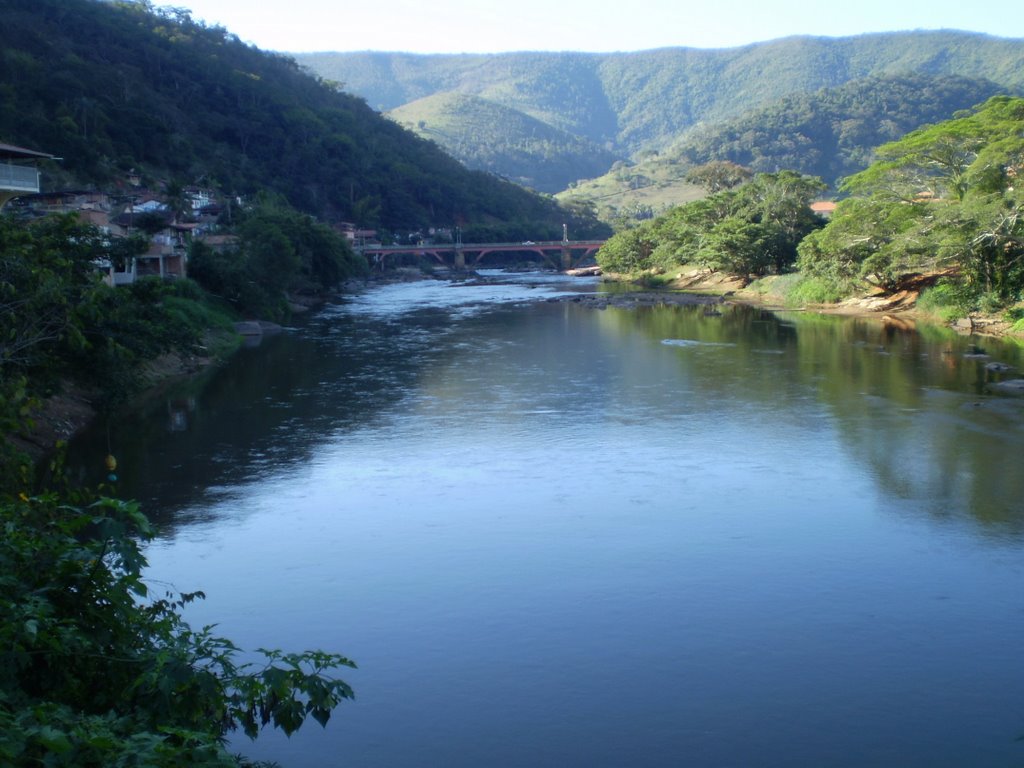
x=536, y=247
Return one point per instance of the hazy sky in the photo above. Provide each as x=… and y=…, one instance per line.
x=455, y=26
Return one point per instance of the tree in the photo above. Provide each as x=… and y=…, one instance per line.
x=736, y=246
x=279, y=251
x=746, y=231
x=944, y=196
x=628, y=252
x=870, y=239
x=270, y=253
x=47, y=272
x=718, y=175
x=780, y=203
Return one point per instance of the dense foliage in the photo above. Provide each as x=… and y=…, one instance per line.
x=751, y=230
x=944, y=197
x=60, y=324
x=112, y=86
x=58, y=319
x=278, y=252
x=943, y=200
x=648, y=99
x=97, y=671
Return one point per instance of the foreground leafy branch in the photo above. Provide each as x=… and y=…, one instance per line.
x=94, y=672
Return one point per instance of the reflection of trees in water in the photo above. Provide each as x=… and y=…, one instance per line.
x=915, y=410
x=910, y=405
x=266, y=409
x=955, y=455
x=907, y=405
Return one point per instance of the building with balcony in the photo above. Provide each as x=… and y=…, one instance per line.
x=19, y=174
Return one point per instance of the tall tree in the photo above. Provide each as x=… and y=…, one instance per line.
x=947, y=195
x=717, y=175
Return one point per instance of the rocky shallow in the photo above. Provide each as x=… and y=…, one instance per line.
x=635, y=299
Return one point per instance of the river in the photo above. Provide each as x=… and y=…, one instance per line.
x=554, y=535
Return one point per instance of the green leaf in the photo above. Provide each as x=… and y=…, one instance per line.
x=54, y=740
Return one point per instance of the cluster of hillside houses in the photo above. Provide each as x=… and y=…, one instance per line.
x=120, y=215
x=130, y=210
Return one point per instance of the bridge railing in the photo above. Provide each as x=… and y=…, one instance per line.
x=523, y=246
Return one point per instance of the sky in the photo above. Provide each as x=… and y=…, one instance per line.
x=486, y=26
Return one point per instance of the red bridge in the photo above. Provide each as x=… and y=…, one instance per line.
x=563, y=254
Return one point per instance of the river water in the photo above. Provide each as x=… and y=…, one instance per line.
x=552, y=535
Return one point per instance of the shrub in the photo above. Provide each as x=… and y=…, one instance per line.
x=817, y=290
x=95, y=671
x=946, y=300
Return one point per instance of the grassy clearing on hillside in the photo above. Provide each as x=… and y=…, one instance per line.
x=622, y=194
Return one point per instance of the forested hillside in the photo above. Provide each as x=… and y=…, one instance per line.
x=647, y=99
x=564, y=90
x=833, y=132
x=490, y=137
x=830, y=134
x=114, y=86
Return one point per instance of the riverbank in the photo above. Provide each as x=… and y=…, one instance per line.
x=59, y=417
x=73, y=408
x=899, y=308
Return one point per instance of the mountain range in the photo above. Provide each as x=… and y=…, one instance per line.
x=117, y=87
x=629, y=105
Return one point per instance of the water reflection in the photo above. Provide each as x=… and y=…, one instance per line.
x=554, y=535
x=913, y=407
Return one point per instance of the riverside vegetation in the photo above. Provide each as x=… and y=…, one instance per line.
x=98, y=671
x=95, y=670
x=943, y=201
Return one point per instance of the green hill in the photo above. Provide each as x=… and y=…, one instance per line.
x=830, y=133
x=563, y=90
x=490, y=137
x=115, y=86
x=649, y=98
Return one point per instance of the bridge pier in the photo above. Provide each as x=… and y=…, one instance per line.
x=460, y=259
x=566, y=259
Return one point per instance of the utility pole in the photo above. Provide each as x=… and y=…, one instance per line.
x=566, y=252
